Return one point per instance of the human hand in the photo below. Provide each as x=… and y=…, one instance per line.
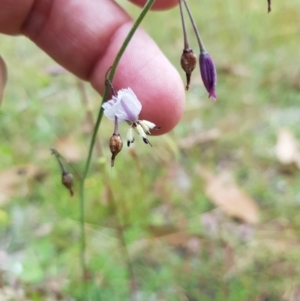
x=85, y=36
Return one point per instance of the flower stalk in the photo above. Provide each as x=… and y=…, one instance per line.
x=185, y=37
x=125, y=107
x=199, y=39
x=269, y=6
x=128, y=38
x=188, y=59
x=207, y=66
x=66, y=177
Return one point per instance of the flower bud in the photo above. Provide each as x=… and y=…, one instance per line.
x=208, y=74
x=188, y=63
x=67, y=180
x=115, y=146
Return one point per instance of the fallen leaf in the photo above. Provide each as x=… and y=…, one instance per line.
x=3, y=77
x=224, y=193
x=180, y=239
x=287, y=148
x=14, y=181
x=199, y=138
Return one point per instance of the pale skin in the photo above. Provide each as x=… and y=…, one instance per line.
x=84, y=37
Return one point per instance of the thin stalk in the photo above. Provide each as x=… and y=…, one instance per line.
x=57, y=156
x=186, y=41
x=88, y=112
x=116, y=132
x=122, y=239
x=200, y=42
x=97, y=125
x=269, y=6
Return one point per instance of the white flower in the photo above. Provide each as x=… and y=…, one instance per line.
x=126, y=107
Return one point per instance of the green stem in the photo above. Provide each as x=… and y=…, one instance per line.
x=185, y=37
x=97, y=125
x=122, y=239
x=200, y=42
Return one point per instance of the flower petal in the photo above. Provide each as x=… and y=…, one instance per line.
x=125, y=106
x=109, y=109
x=129, y=105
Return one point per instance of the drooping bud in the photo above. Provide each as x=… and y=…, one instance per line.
x=67, y=180
x=208, y=74
x=115, y=146
x=66, y=177
x=188, y=63
x=207, y=66
x=188, y=59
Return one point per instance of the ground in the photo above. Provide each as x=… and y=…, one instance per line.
x=210, y=212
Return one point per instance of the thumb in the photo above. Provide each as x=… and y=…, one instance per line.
x=158, y=4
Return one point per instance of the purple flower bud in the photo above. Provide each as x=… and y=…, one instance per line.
x=208, y=74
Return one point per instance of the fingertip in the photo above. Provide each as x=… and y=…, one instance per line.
x=158, y=4
x=149, y=74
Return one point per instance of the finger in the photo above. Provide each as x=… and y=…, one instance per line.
x=158, y=4
x=84, y=37
x=146, y=70
x=13, y=14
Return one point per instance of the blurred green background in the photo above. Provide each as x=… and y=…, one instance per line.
x=154, y=227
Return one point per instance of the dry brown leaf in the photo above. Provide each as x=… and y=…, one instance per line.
x=3, y=77
x=14, y=181
x=173, y=236
x=199, y=138
x=287, y=148
x=69, y=148
x=223, y=192
x=179, y=239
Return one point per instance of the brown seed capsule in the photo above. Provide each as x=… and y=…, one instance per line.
x=115, y=146
x=188, y=63
x=67, y=180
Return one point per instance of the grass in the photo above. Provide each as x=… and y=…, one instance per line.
x=160, y=204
